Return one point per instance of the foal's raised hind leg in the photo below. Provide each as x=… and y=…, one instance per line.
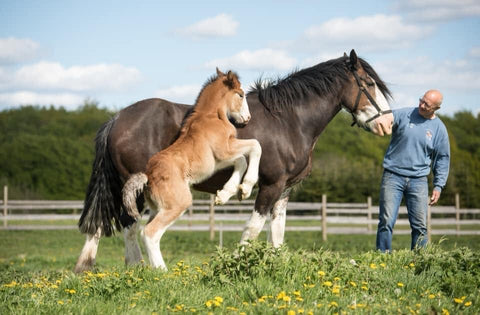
x=89, y=252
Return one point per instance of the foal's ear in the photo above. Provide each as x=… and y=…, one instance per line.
x=230, y=75
x=354, y=60
x=220, y=73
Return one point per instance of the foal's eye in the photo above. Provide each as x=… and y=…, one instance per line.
x=240, y=94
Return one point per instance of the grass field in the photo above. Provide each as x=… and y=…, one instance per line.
x=340, y=276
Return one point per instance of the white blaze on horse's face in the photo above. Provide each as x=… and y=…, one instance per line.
x=240, y=111
x=381, y=125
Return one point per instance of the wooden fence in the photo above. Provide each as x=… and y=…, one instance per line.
x=331, y=218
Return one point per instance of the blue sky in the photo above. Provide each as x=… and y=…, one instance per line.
x=119, y=52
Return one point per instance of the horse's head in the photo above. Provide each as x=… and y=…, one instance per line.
x=364, y=99
x=234, y=97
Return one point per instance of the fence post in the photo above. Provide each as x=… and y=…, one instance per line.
x=457, y=212
x=212, y=218
x=324, y=217
x=5, y=205
x=369, y=213
x=429, y=223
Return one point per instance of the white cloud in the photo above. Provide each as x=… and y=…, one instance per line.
x=474, y=52
x=222, y=25
x=366, y=33
x=53, y=76
x=67, y=100
x=439, y=10
x=425, y=73
x=262, y=59
x=180, y=93
x=14, y=50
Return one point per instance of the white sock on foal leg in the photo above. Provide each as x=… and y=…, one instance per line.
x=152, y=245
x=253, y=227
x=251, y=176
x=231, y=186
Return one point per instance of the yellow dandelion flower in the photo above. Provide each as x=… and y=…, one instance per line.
x=299, y=298
x=296, y=293
x=467, y=304
x=353, y=284
x=336, y=279
x=261, y=300
x=231, y=308
x=291, y=312
x=218, y=299
x=458, y=301
x=60, y=302
x=333, y=304
x=411, y=265
x=445, y=311
x=373, y=266
x=383, y=265
x=319, y=305
x=327, y=283
x=321, y=273
x=179, y=307
x=431, y=296
x=336, y=290
x=281, y=307
x=400, y=284
x=209, y=303
x=364, y=288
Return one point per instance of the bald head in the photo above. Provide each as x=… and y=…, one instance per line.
x=429, y=103
x=435, y=97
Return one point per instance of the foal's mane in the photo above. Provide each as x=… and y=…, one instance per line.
x=212, y=79
x=323, y=79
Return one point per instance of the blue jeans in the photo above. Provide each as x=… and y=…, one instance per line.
x=415, y=191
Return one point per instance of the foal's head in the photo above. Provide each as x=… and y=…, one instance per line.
x=364, y=97
x=232, y=97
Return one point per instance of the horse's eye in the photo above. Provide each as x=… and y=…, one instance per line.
x=369, y=82
x=240, y=94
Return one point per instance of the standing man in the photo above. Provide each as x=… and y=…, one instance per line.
x=419, y=141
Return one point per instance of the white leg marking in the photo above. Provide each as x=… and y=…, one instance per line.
x=231, y=186
x=133, y=254
x=253, y=227
x=152, y=245
x=251, y=176
x=89, y=252
x=279, y=216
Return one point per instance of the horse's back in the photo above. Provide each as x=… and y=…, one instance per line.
x=143, y=129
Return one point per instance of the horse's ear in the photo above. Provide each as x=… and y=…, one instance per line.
x=354, y=59
x=345, y=54
x=230, y=75
x=220, y=73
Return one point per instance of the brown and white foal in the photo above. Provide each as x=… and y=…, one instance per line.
x=207, y=143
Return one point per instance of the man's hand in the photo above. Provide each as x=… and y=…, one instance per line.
x=434, y=198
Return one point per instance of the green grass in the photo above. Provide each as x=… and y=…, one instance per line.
x=342, y=275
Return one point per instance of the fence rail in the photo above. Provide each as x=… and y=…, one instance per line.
x=329, y=218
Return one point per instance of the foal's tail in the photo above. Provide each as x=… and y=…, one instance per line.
x=132, y=188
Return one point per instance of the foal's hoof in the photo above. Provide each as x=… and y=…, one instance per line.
x=245, y=191
x=222, y=197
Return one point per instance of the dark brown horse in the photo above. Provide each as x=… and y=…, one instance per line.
x=287, y=118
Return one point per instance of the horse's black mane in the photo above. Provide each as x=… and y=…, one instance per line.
x=322, y=79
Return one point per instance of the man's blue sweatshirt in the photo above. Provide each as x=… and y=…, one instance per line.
x=418, y=143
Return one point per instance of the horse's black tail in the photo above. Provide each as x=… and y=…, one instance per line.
x=103, y=200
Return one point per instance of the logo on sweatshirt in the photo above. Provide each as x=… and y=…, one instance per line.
x=429, y=135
